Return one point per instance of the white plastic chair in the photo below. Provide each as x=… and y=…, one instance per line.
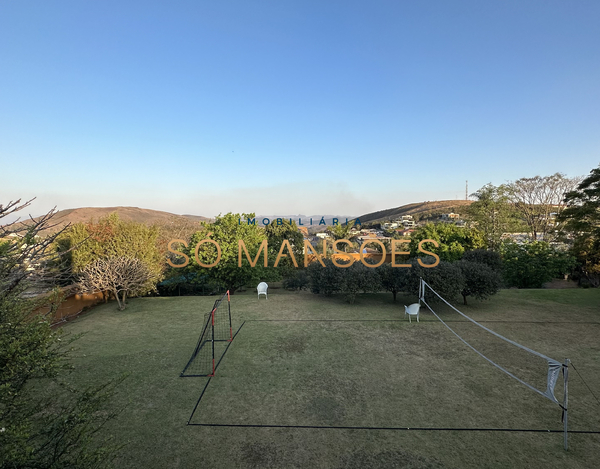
x=412, y=310
x=262, y=289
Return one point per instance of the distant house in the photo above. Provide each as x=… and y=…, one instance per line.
x=449, y=217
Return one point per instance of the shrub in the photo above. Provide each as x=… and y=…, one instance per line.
x=483, y=256
x=481, y=281
x=531, y=265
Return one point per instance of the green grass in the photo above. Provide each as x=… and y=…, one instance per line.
x=335, y=373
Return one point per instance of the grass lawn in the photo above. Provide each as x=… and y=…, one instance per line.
x=308, y=360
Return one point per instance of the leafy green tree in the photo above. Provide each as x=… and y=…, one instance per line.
x=359, y=278
x=298, y=281
x=484, y=256
x=342, y=231
x=446, y=278
x=493, y=213
x=111, y=237
x=532, y=264
x=37, y=429
x=327, y=280
x=453, y=240
x=276, y=235
x=582, y=219
x=481, y=281
x=227, y=230
x=393, y=279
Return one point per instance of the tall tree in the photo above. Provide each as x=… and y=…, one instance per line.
x=453, y=240
x=276, y=235
x=536, y=199
x=111, y=237
x=227, y=230
x=493, y=214
x=582, y=219
x=37, y=430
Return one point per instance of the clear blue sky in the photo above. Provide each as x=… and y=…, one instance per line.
x=314, y=107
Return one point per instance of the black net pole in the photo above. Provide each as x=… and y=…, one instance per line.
x=213, y=342
x=229, y=313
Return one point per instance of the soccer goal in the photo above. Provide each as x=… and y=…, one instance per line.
x=216, y=328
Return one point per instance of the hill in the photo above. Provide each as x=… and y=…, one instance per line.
x=136, y=214
x=420, y=210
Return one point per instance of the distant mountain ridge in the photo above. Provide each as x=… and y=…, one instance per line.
x=136, y=214
x=420, y=209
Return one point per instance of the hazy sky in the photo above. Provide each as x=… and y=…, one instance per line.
x=314, y=107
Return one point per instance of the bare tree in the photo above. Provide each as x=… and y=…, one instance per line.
x=123, y=276
x=28, y=259
x=539, y=199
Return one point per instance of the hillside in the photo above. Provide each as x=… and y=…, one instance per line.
x=420, y=210
x=140, y=215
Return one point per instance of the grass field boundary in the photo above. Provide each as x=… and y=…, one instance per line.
x=448, y=429
x=404, y=320
x=333, y=427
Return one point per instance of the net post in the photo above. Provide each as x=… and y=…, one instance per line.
x=213, y=342
x=566, y=402
x=229, y=314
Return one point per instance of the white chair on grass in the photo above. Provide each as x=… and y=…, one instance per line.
x=412, y=310
x=262, y=289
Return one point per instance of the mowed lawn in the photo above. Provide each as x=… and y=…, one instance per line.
x=308, y=360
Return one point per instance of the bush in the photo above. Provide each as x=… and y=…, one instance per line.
x=447, y=279
x=482, y=256
x=358, y=278
x=531, y=265
x=481, y=281
x=393, y=279
x=298, y=281
x=326, y=280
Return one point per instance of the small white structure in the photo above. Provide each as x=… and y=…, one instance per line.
x=412, y=310
x=262, y=289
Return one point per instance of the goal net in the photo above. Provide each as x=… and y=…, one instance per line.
x=216, y=329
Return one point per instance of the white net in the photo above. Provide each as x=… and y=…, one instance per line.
x=517, y=361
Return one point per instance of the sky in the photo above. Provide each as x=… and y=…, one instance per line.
x=289, y=107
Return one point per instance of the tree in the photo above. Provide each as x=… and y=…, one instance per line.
x=582, y=218
x=532, y=264
x=493, y=214
x=393, y=279
x=227, y=231
x=483, y=256
x=276, y=235
x=327, y=280
x=481, y=281
x=36, y=429
x=536, y=199
x=446, y=279
x=123, y=276
x=358, y=278
x=453, y=240
x=111, y=237
x=342, y=231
